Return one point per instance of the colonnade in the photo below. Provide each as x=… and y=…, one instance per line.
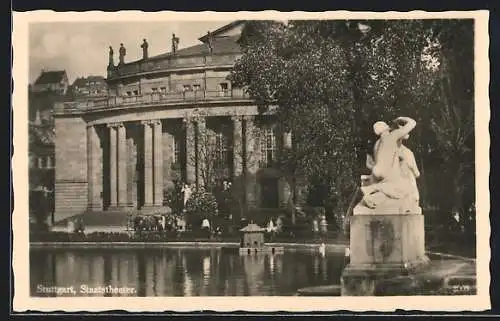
x=119, y=160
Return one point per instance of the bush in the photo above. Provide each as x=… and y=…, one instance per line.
x=173, y=198
x=200, y=205
x=124, y=237
x=79, y=237
x=300, y=236
x=314, y=211
x=225, y=201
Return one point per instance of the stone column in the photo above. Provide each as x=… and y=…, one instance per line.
x=132, y=164
x=113, y=168
x=168, y=149
x=158, y=163
x=287, y=139
x=288, y=190
x=190, y=151
x=148, y=163
x=237, y=146
x=93, y=163
x=251, y=162
x=122, y=165
x=200, y=152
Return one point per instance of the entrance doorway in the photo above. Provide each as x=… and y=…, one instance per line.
x=269, y=193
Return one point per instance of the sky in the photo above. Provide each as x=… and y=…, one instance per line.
x=81, y=48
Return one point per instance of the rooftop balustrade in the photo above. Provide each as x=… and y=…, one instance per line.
x=149, y=99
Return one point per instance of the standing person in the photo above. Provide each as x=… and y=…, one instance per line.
x=315, y=227
x=279, y=224
x=186, y=189
x=163, y=222
x=205, y=226
x=71, y=226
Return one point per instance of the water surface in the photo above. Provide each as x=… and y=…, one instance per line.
x=179, y=272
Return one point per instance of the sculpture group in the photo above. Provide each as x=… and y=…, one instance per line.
x=391, y=187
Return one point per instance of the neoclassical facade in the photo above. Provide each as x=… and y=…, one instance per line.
x=171, y=117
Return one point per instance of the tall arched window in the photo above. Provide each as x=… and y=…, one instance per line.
x=221, y=150
x=268, y=148
x=177, y=148
x=49, y=162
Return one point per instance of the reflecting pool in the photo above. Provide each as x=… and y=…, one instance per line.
x=179, y=272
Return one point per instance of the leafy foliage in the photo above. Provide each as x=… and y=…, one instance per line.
x=200, y=205
x=174, y=198
x=333, y=79
x=213, y=165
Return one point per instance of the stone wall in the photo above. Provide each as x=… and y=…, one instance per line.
x=71, y=169
x=174, y=83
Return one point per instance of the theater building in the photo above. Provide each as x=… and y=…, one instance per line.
x=174, y=116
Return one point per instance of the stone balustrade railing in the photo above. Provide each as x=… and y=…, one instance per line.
x=151, y=99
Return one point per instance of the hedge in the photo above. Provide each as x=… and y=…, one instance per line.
x=171, y=236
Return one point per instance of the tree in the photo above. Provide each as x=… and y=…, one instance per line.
x=453, y=123
x=173, y=197
x=303, y=80
x=202, y=204
x=40, y=208
x=210, y=156
x=333, y=79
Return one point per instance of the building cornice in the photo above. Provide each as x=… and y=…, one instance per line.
x=167, y=71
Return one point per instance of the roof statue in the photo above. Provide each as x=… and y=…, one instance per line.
x=111, y=60
x=122, y=52
x=144, y=47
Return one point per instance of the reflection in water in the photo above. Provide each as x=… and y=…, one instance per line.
x=316, y=263
x=272, y=266
x=254, y=267
x=108, y=277
x=188, y=272
x=188, y=284
x=206, y=270
x=324, y=268
x=141, y=273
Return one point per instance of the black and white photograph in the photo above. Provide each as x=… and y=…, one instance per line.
x=338, y=157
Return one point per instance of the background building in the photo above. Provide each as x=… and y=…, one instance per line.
x=89, y=88
x=174, y=116
x=49, y=88
x=55, y=81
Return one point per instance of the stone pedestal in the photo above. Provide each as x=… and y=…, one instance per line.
x=381, y=247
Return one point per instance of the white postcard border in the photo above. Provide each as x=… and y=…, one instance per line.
x=20, y=224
